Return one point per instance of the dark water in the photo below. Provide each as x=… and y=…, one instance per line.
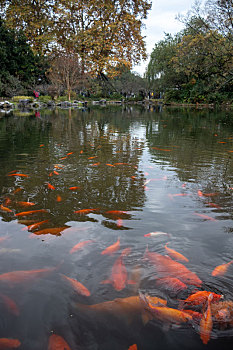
x=165, y=153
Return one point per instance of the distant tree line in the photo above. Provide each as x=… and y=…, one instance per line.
x=91, y=38
x=196, y=64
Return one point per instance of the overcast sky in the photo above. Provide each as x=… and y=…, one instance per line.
x=161, y=19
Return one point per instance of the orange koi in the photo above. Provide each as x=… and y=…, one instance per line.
x=156, y=233
x=74, y=188
x=59, y=199
x=36, y=225
x=221, y=142
x=118, y=276
x=200, y=193
x=196, y=316
x=51, y=187
x=21, y=175
x=7, y=201
x=133, y=347
x=55, y=172
x=5, y=209
x=171, y=283
x=178, y=195
x=18, y=190
x=51, y=174
x=92, y=157
x=133, y=177
x=59, y=166
x=214, y=205
x=126, y=252
x=15, y=277
x=210, y=194
x=167, y=267
x=206, y=323
x=81, y=152
x=41, y=145
x=200, y=298
x=174, y=254
x=25, y=213
x=220, y=270
x=64, y=157
x=85, y=211
x=25, y=204
x=112, y=248
x=68, y=154
x=10, y=305
x=8, y=343
x=95, y=164
x=206, y=217
x=164, y=313
x=110, y=165
x=56, y=342
x=80, y=245
x=52, y=231
x=118, y=213
x=78, y=287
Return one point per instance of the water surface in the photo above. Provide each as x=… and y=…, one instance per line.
x=168, y=171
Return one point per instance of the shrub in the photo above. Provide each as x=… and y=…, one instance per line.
x=18, y=98
x=45, y=99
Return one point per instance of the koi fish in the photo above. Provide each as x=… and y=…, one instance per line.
x=68, y=154
x=200, y=193
x=85, y=211
x=59, y=199
x=196, y=316
x=56, y=342
x=78, y=287
x=55, y=172
x=206, y=323
x=8, y=210
x=210, y=194
x=156, y=233
x=25, y=213
x=7, y=201
x=25, y=204
x=36, y=225
x=118, y=276
x=81, y=152
x=167, y=267
x=171, y=283
x=220, y=270
x=162, y=149
x=15, y=277
x=171, y=196
x=21, y=175
x=200, y=298
x=80, y=245
x=164, y=313
x=51, y=174
x=174, y=254
x=125, y=252
x=133, y=347
x=74, y=188
x=10, y=305
x=92, y=157
x=51, y=187
x=214, y=205
x=118, y=214
x=112, y=248
x=63, y=158
x=41, y=145
x=110, y=165
x=95, y=164
x=8, y=343
x=51, y=231
x=18, y=190
x=206, y=217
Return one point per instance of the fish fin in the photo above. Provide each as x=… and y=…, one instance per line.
x=146, y=317
x=106, y=282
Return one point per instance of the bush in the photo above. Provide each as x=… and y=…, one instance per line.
x=18, y=98
x=45, y=99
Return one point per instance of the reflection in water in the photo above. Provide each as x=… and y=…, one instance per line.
x=82, y=194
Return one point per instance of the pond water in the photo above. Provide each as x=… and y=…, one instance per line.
x=110, y=175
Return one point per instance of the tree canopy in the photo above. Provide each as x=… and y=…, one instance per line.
x=197, y=63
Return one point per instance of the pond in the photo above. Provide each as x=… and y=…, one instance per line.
x=101, y=205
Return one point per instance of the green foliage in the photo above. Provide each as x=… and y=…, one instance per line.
x=18, y=98
x=196, y=65
x=45, y=98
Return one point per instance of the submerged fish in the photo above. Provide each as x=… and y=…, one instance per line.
x=8, y=343
x=15, y=277
x=156, y=233
x=206, y=323
x=25, y=213
x=21, y=175
x=118, y=276
x=85, y=211
x=200, y=298
x=36, y=225
x=112, y=248
x=166, y=267
x=80, y=245
x=133, y=347
x=77, y=286
x=25, y=204
x=56, y=342
x=51, y=231
x=5, y=209
x=220, y=270
x=171, y=283
x=51, y=187
x=206, y=217
x=74, y=188
x=10, y=304
x=174, y=254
